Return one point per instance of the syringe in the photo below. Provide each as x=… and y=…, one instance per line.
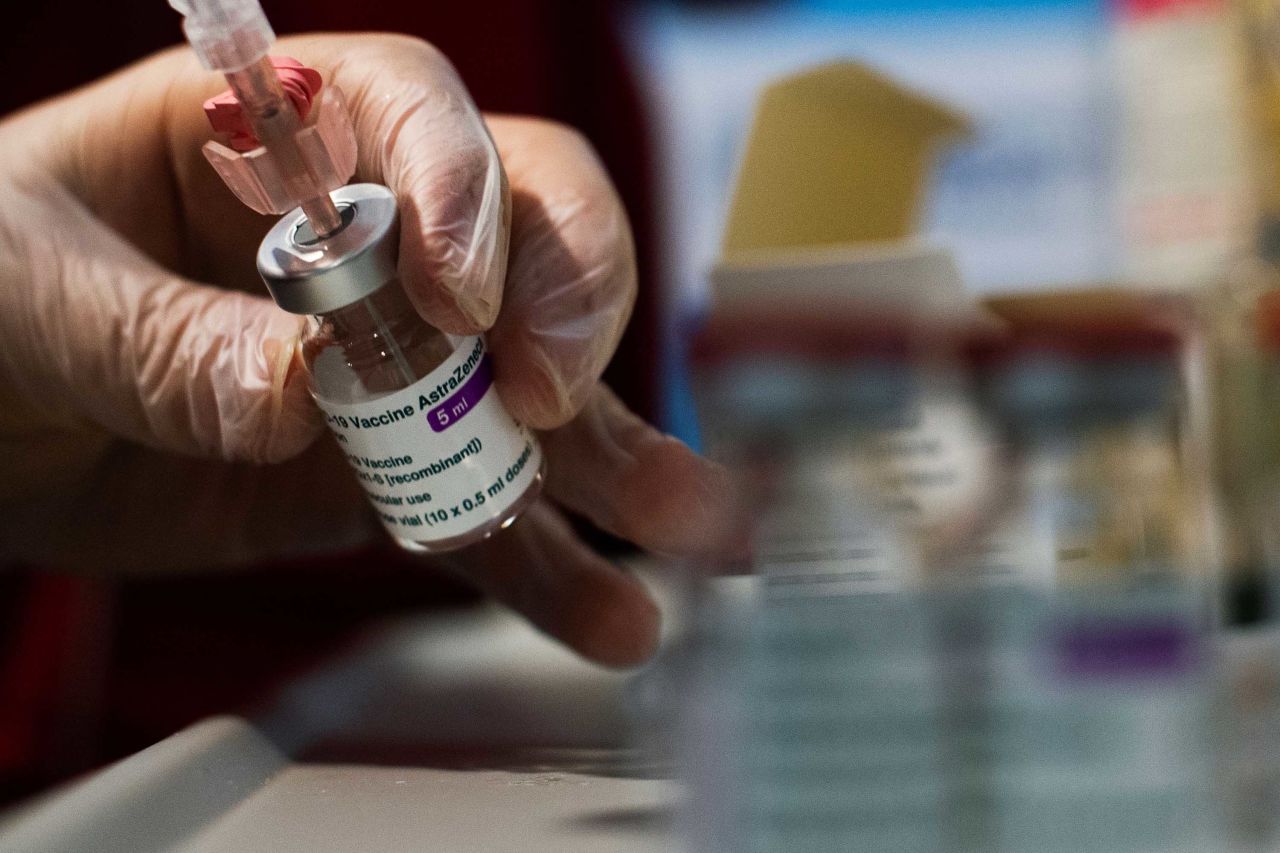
x=296, y=168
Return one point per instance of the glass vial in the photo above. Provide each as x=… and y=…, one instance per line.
x=414, y=410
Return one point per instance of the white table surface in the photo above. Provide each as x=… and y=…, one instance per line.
x=482, y=678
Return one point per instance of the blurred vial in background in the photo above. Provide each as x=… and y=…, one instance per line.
x=823, y=735
x=866, y=691
x=1264, y=447
x=860, y=447
x=1109, y=694
x=1244, y=433
x=1096, y=420
x=1247, y=361
x=789, y=406
x=1247, y=738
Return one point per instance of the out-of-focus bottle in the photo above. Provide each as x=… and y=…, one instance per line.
x=1265, y=499
x=1097, y=425
x=851, y=437
x=1242, y=437
x=852, y=441
x=789, y=405
x=1246, y=358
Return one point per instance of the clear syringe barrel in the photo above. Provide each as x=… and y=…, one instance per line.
x=276, y=124
x=233, y=36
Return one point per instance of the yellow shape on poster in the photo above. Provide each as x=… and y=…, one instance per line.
x=837, y=154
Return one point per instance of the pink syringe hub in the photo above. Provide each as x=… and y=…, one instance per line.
x=303, y=157
x=299, y=84
x=326, y=143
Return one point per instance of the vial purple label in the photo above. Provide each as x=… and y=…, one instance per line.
x=1141, y=648
x=464, y=399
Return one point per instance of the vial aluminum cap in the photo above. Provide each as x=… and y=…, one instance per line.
x=313, y=276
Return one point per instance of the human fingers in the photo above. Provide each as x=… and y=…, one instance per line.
x=540, y=568
x=571, y=281
x=635, y=482
x=96, y=332
x=419, y=133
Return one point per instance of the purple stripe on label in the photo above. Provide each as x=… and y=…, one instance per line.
x=464, y=399
x=1101, y=650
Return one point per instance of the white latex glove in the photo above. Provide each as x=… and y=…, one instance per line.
x=146, y=382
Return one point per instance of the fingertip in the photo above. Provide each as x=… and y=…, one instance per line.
x=454, y=312
x=454, y=239
x=532, y=390
x=542, y=569
x=458, y=306
x=230, y=383
x=688, y=501
x=456, y=302
x=624, y=625
x=294, y=421
x=433, y=305
x=297, y=426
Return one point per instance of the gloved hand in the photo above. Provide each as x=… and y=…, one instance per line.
x=152, y=410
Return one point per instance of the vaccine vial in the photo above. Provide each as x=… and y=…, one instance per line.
x=414, y=410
